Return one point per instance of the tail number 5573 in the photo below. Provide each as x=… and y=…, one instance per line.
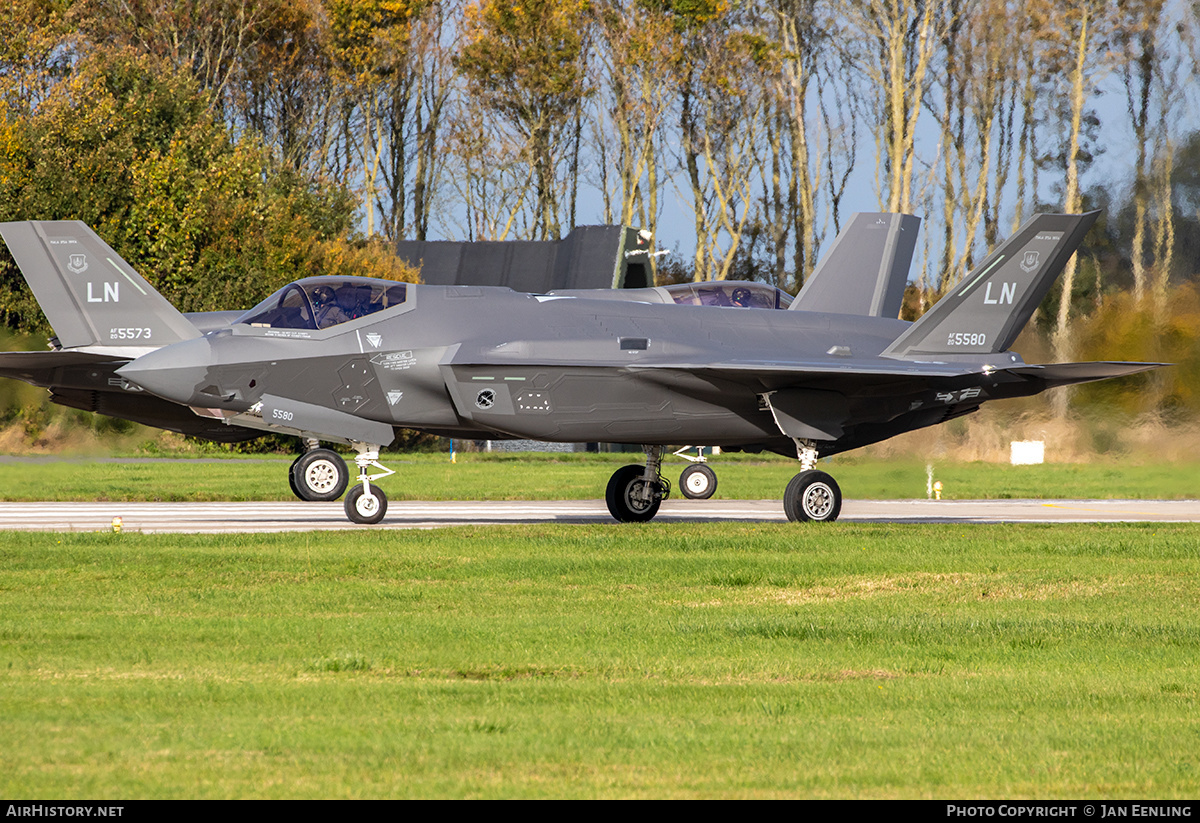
x=129, y=334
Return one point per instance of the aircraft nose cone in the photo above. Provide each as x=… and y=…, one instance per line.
x=177, y=372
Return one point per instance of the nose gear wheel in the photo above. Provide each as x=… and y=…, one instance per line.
x=365, y=507
x=698, y=482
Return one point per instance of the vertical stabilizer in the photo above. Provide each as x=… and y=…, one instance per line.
x=866, y=270
x=986, y=311
x=89, y=294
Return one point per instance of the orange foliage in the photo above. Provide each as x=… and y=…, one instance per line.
x=1123, y=329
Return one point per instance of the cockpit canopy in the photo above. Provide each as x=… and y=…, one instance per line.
x=321, y=302
x=734, y=293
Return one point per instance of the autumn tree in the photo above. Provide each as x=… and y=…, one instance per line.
x=369, y=44
x=526, y=61
x=489, y=172
x=130, y=146
x=641, y=52
x=791, y=170
x=724, y=130
x=1075, y=57
x=208, y=38
x=33, y=51
x=1152, y=79
x=416, y=120
x=979, y=91
x=285, y=93
x=895, y=42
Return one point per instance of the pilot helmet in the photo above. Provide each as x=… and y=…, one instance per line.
x=322, y=296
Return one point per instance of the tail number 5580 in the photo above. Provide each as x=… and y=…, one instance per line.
x=958, y=338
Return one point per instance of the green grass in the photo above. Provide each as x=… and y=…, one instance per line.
x=707, y=660
x=583, y=477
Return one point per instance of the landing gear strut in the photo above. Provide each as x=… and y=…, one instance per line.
x=811, y=495
x=634, y=494
x=318, y=474
x=365, y=503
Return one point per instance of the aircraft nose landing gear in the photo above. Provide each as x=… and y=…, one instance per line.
x=367, y=504
x=698, y=482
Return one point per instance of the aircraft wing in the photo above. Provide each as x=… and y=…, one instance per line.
x=778, y=374
x=828, y=404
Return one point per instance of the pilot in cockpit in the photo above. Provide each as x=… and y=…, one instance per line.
x=362, y=301
x=325, y=307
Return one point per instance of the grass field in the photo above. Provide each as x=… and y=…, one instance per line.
x=583, y=477
x=707, y=660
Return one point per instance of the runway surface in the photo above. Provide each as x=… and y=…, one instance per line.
x=215, y=518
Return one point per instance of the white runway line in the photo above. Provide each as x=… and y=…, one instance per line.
x=216, y=518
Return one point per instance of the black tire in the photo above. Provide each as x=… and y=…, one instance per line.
x=698, y=482
x=292, y=478
x=367, y=510
x=319, y=475
x=623, y=496
x=812, y=496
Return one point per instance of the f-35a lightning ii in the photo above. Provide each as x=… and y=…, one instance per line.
x=350, y=360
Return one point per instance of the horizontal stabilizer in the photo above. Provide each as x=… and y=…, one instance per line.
x=89, y=294
x=45, y=368
x=986, y=311
x=1066, y=374
x=866, y=269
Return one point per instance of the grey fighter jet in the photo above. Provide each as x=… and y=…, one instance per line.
x=349, y=360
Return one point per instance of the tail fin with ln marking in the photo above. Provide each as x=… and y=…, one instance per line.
x=986, y=311
x=89, y=294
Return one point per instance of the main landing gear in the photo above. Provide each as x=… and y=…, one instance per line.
x=318, y=474
x=634, y=494
x=367, y=504
x=811, y=495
